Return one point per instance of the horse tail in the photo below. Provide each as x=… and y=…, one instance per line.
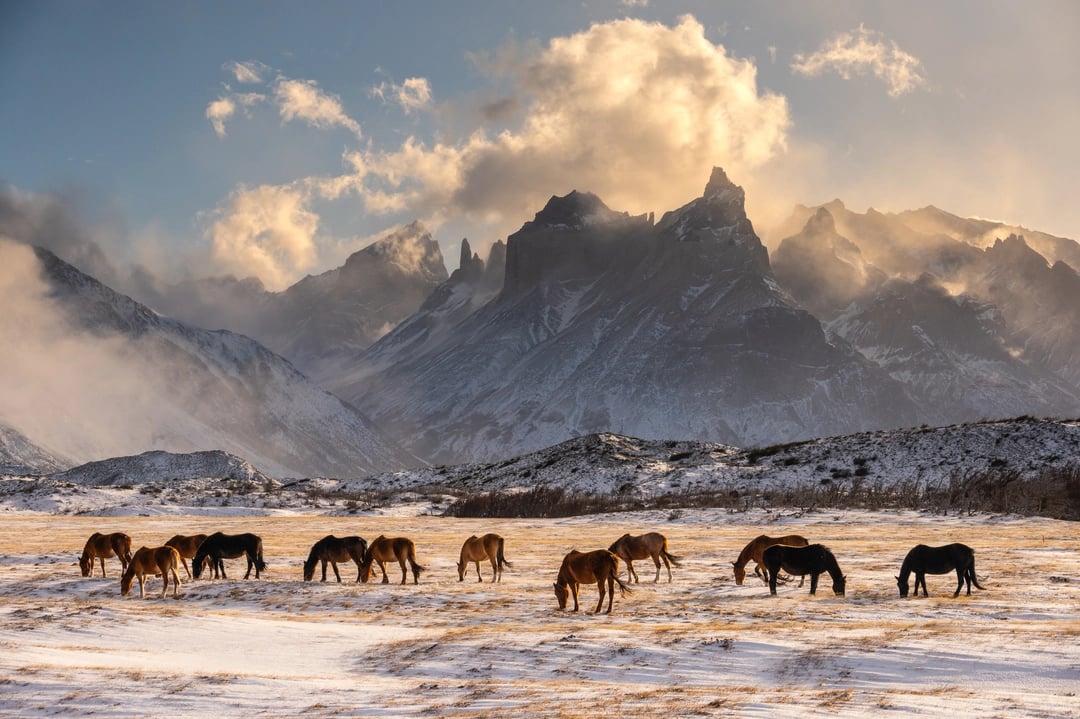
x=970, y=572
x=501, y=558
x=416, y=568
x=673, y=558
x=624, y=588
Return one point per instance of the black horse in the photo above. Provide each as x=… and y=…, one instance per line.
x=331, y=550
x=812, y=560
x=218, y=547
x=925, y=560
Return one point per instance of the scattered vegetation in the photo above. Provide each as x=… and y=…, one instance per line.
x=1052, y=493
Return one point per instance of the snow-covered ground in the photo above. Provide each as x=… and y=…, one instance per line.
x=699, y=646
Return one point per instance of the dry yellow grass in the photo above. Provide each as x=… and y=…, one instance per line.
x=698, y=646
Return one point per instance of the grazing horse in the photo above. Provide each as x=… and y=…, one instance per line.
x=925, y=560
x=813, y=560
x=649, y=545
x=476, y=549
x=187, y=545
x=756, y=547
x=383, y=550
x=331, y=550
x=159, y=560
x=100, y=546
x=600, y=566
x=218, y=547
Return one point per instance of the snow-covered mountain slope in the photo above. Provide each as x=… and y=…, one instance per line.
x=607, y=322
x=619, y=465
x=908, y=462
x=158, y=466
x=129, y=380
x=18, y=455
x=971, y=332
x=321, y=317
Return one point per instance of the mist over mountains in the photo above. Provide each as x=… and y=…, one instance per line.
x=586, y=320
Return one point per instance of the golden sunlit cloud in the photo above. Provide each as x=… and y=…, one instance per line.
x=303, y=100
x=860, y=52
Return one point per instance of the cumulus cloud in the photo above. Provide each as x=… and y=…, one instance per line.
x=303, y=100
x=414, y=94
x=860, y=52
x=637, y=112
x=267, y=232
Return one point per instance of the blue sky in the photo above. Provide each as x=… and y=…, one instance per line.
x=275, y=138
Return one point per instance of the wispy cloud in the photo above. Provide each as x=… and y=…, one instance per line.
x=861, y=52
x=249, y=72
x=414, y=94
x=223, y=108
x=304, y=100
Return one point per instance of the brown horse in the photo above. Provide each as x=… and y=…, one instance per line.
x=757, y=547
x=649, y=545
x=100, y=546
x=147, y=561
x=186, y=545
x=382, y=550
x=600, y=566
x=476, y=549
x=331, y=550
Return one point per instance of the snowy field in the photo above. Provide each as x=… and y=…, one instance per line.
x=700, y=646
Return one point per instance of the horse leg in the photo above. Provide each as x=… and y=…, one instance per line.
x=772, y=579
x=656, y=561
x=382, y=568
x=480, y=577
x=336, y=572
x=176, y=583
x=960, y=582
x=574, y=586
x=102, y=560
x=813, y=582
x=142, y=589
x=630, y=571
x=495, y=573
x=666, y=564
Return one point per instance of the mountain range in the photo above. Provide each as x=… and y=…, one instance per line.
x=586, y=321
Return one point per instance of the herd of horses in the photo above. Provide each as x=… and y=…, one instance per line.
x=774, y=557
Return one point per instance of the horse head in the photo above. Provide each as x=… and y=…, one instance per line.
x=839, y=585
x=309, y=568
x=902, y=585
x=561, y=594
x=740, y=573
x=86, y=564
x=127, y=579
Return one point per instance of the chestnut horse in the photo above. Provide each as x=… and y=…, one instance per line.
x=649, y=545
x=813, y=560
x=100, y=546
x=383, y=550
x=600, y=566
x=756, y=547
x=147, y=561
x=476, y=549
x=218, y=547
x=187, y=545
x=331, y=550
x=925, y=560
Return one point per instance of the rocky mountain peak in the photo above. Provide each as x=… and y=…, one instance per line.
x=574, y=211
x=821, y=222
x=410, y=250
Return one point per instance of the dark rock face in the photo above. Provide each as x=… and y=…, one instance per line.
x=608, y=323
